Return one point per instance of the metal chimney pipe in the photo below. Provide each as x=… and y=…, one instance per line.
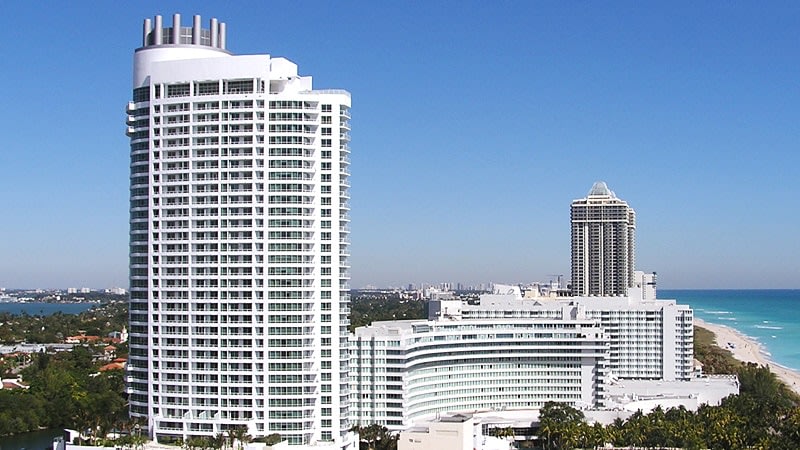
x=159, y=30
x=148, y=27
x=214, y=32
x=196, y=31
x=176, y=28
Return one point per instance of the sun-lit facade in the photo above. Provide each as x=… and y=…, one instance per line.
x=406, y=370
x=603, y=243
x=239, y=226
x=511, y=352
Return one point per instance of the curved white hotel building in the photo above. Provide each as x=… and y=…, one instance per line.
x=238, y=242
x=405, y=370
x=512, y=352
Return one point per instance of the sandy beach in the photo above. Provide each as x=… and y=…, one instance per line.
x=748, y=350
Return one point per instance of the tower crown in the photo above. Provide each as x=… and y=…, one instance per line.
x=600, y=189
x=155, y=33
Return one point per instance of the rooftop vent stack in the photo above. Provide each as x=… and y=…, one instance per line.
x=222, y=33
x=196, y=31
x=157, y=40
x=176, y=28
x=214, y=33
x=148, y=27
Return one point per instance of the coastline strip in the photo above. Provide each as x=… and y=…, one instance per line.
x=747, y=349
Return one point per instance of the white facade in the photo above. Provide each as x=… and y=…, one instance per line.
x=603, y=241
x=239, y=242
x=448, y=433
x=402, y=371
x=510, y=352
x=649, y=338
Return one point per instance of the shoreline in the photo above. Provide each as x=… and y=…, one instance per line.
x=747, y=349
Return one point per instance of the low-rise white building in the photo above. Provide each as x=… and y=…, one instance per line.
x=447, y=433
x=454, y=432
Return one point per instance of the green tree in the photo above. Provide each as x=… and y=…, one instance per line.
x=271, y=439
x=505, y=432
x=194, y=443
x=365, y=309
x=239, y=434
x=788, y=429
x=723, y=428
x=375, y=437
x=683, y=429
x=764, y=387
x=595, y=435
x=560, y=426
x=219, y=440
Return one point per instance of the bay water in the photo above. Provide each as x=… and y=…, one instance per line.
x=35, y=440
x=44, y=309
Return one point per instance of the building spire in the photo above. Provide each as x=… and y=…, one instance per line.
x=599, y=188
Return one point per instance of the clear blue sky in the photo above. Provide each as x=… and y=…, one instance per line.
x=474, y=126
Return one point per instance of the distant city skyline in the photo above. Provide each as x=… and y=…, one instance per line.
x=477, y=125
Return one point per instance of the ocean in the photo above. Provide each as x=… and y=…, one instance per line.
x=44, y=309
x=769, y=316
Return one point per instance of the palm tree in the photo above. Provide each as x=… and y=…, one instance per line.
x=271, y=439
x=137, y=439
x=218, y=441
x=597, y=435
x=371, y=434
x=387, y=440
x=723, y=427
x=560, y=425
x=505, y=432
x=194, y=443
x=789, y=428
x=634, y=431
x=82, y=421
x=239, y=434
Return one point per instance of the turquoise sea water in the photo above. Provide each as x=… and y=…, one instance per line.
x=770, y=316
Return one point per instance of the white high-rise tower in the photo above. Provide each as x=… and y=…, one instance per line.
x=603, y=243
x=238, y=242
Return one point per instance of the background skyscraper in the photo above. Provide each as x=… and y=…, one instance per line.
x=603, y=238
x=238, y=242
